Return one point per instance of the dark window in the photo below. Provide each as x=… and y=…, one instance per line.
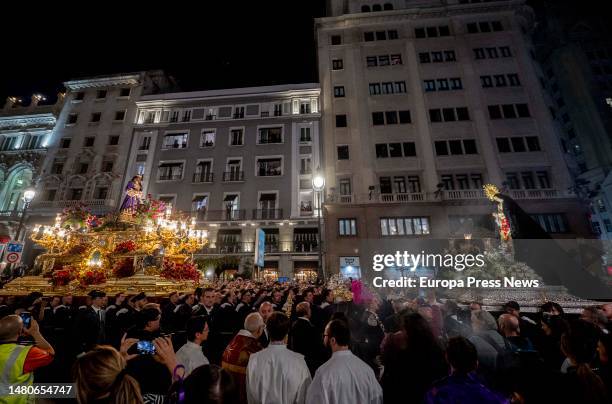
x=387, y=6
x=441, y=148
x=472, y=28
x=492, y=52
x=343, y=152
x=378, y=118
x=527, y=177
x=385, y=185
x=455, y=147
x=484, y=26
x=505, y=51
x=119, y=115
x=455, y=83
x=95, y=117
x=125, y=92
x=419, y=32
x=463, y=114
x=435, y=115
x=374, y=88
x=523, y=110
x=113, y=140
x=391, y=117
x=430, y=85
x=381, y=35
x=376, y=7
x=486, y=81
x=444, y=30
x=107, y=166
x=392, y=33
x=396, y=59
x=89, y=141
x=518, y=144
x=543, y=179
x=448, y=114
x=337, y=64
x=497, y=26
x=469, y=145
x=424, y=57
x=399, y=87
x=372, y=61
x=336, y=40
x=65, y=143
x=368, y=36
x=432, y=32
x=450, y=56
x=500, y=80
x=509, y=111
x=404, y=117
x=83, y=167
x=79, y=96
x=513, y=79
x=72, y=118
x=101, y=94
x=442, y=84
x=383, y=60
x=479, y=53
x=503, y=144
x=437, y=57
x=409, y=149
x=339, y=91
x=381, y=150
x=512, y=181
x=340, y=121
x=365, y=9
x=395, y=150
x=533, y=143
x=494, y=112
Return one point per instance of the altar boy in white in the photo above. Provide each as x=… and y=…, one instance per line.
x=277, y=375
x=344, y=378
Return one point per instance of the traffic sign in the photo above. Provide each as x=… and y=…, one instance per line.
x=13, y=257
x=13, y=252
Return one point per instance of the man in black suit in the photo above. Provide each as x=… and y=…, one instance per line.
x=89, y=325
x=305, y=339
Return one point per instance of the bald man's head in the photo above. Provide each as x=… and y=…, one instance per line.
x=303, y=309
x=10, y=328
x=508, y=325
x=254, y=324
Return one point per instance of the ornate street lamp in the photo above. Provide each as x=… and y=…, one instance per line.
x=318, y=185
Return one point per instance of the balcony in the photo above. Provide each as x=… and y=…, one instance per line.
x=464, y=194
x=267, y=214
x=233, y=176
x=170, y=177
x=226, y=215
x=269, y=172
x=210, y=117
x=237, y=247
x=203, y=177
x=265, y=114
x=536, y=194
x=402, y=197
x=10, y=214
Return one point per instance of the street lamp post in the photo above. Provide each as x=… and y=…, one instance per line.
x=318, y=184
x=28, y=196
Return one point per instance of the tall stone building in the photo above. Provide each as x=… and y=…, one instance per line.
x=423, y=102
x=25, y=136
x=237, y=160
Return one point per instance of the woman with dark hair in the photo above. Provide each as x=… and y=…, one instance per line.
x=604, y=350
x=101, y=378
x=581, y=384
x=554, y=326
x=208, y=384
x=412, y=360
x=552, y=308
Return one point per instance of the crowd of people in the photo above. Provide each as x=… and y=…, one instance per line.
x=243, y=341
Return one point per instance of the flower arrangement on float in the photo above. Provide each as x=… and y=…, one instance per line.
x=125, y=247
x=180, y=272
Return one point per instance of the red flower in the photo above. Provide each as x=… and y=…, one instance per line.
x=125, y=247
x=124, y=268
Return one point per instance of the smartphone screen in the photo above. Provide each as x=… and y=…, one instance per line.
x=26, y=317
x=145, y=347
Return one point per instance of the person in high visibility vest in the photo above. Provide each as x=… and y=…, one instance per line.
x=18, y=362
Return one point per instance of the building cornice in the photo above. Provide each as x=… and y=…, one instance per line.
x=25, y=121
x=169, y=99
x=412, y=14
x=122, y=80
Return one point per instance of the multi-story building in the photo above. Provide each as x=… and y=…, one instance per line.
x=25, y=133
x=87, y=152
x=575, y=50
x=237, y=160
x=423, y=102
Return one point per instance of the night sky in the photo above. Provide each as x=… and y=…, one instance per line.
x=203, y=45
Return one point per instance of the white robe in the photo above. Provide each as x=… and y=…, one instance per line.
x=276, y=375
x=344, y=379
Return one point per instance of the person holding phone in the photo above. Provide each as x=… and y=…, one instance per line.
x=20, y=361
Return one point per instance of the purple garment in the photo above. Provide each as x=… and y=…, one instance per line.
x=130, y=202
x=460, y=389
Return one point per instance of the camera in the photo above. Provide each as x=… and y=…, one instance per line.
x=26, y=317
x=145, y=347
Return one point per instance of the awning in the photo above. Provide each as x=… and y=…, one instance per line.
x=199, y=198
x=230, y=197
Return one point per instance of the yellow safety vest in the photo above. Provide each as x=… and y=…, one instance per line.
x=12, y=359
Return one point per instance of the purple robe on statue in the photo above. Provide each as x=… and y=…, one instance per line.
x=132, y=197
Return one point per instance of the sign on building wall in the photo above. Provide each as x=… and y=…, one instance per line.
x=349, y=267
x=260, y=247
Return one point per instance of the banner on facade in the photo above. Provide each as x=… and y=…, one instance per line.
x=260, y=247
